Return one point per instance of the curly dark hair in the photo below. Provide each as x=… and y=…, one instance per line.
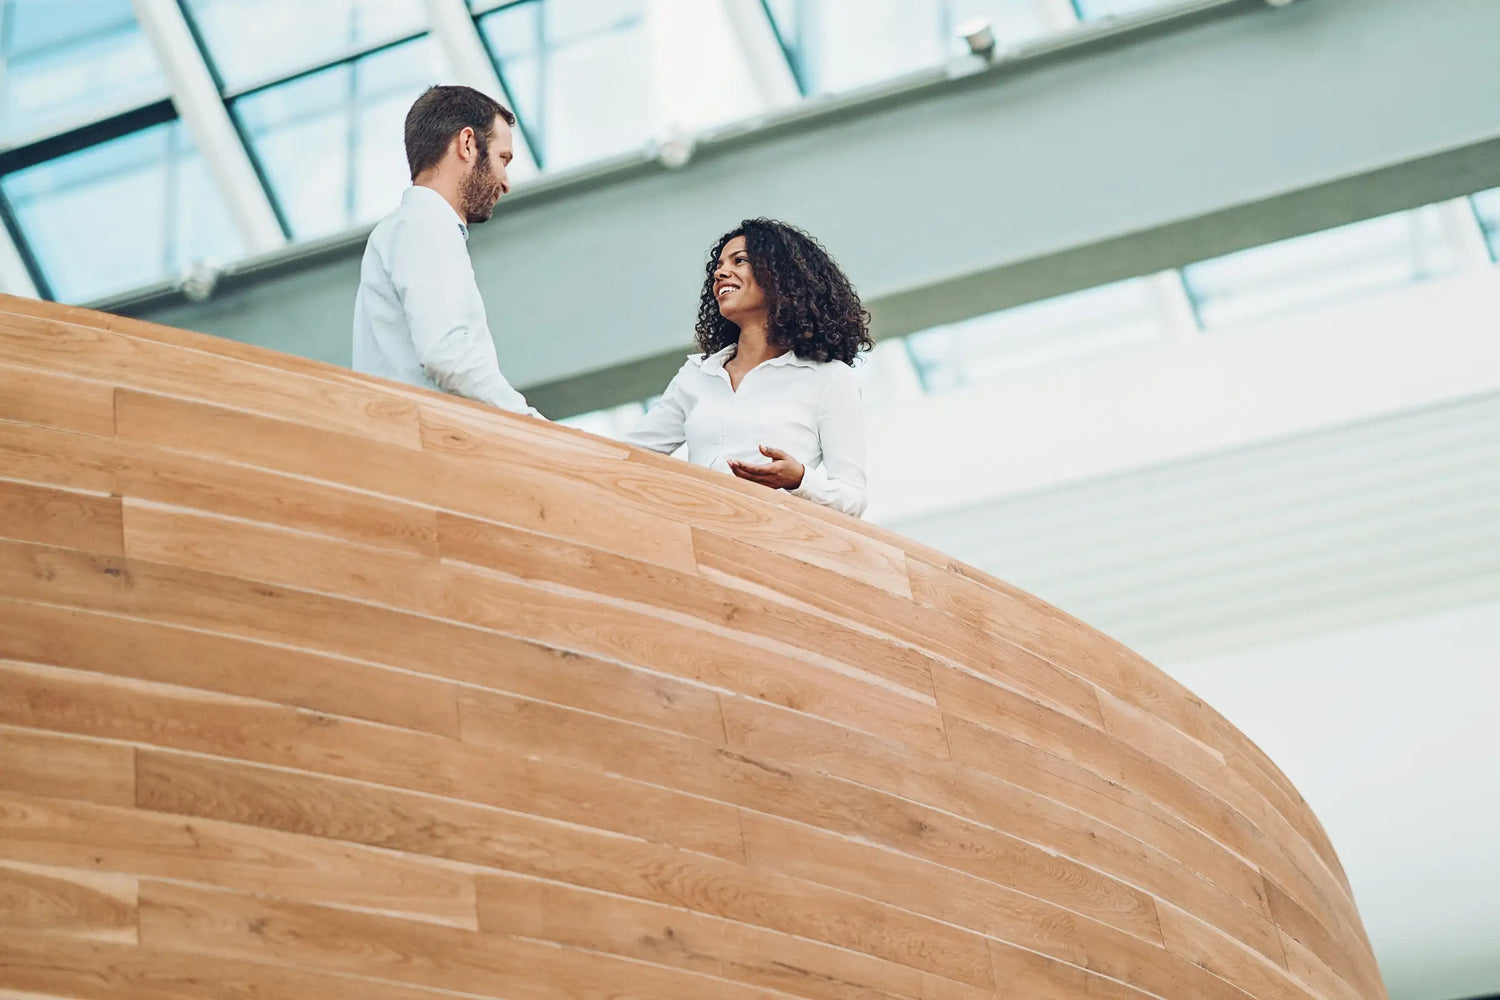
x=812, y=309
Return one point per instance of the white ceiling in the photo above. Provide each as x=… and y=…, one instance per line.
x=1383, y=518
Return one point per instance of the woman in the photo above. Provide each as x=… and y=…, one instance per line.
x=779, y=326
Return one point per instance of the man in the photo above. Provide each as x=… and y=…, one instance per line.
x=418, y=317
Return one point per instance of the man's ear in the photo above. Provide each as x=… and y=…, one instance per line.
x=466, y=145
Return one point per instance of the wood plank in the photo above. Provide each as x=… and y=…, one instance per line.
x=1236, y=903
x=212, y=602
x=241, y=927
x=126, y=468
x=100, y=970
x=971, y=702
x=53, y=516
x=1021, y=620
x=920, y=886
x=145, y=650
x=91, y=353
x=66, y=901
x=664, y=935
x=1001, y=713
x=1332, y=948
x=52, y=400
x=537, y=557
x=1262, y=804
x=780, y=787
x=134, y=842
x=1017, y=762
x=1290, y=811
x=774, y=521
x=1016, y=918
x=47, y=764
x=864, y=815
x=451, y=428
x=457, y=593
x=1206, y=948
x=539, y=848
x=1321, y=980
x=858, y=605
x=1027, y=975
x=178, y=718
x=1139, y=728
x=545, y=502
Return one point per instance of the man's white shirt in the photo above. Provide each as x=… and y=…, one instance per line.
x=809, y=409
x=418, y=316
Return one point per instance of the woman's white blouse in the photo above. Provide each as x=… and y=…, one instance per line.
x=809, y=409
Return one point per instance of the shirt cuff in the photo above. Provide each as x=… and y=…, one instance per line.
x=814, y=483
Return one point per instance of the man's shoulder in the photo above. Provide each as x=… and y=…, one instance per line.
x=405, y=231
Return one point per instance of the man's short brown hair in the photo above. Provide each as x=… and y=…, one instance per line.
x=440, y=114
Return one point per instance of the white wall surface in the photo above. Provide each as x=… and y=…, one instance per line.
x=1392, y=734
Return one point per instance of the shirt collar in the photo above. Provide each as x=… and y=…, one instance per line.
x=428, y=200
x=716, y=361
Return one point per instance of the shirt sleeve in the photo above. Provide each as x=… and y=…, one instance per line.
x=434, y=278
x=839, y=481
x=662, y=428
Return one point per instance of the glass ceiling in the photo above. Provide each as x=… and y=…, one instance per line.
x=104, y=189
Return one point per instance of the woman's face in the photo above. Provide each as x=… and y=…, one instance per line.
x=739, y=297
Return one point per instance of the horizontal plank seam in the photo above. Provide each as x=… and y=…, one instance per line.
x=1265, y=838
x=767, y=643
x=54, y=487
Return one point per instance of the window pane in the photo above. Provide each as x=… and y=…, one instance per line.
x=838, y=46
x=122, y=214
x=332, y=143
x=57, y=71
x=255, y=41
x=1487, y=206
x=1082, y=324
x=579, y=72
x=1324, y=267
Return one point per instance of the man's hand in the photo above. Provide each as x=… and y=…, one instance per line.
x=783, y=472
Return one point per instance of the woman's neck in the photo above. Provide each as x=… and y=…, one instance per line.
x=753, y=346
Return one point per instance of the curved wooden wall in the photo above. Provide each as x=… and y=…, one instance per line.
x=314, y=686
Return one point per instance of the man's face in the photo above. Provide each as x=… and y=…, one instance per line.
x=486, y=181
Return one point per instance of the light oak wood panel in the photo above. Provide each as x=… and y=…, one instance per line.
x=52, y=966
x=135, y=842
x=108, y=465
x=382, y=947
x=543, y=502
x=48, y=764
x=547, y=849
x=66, y=902
x=49, y=698
x=50, y=400
x=93, y=353
x=54, y=516
x=608, y=627
x=228, y=605
x=151, y=651
x=672, y=936
x=314, y=685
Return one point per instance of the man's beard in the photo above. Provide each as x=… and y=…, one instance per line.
x=479, y=192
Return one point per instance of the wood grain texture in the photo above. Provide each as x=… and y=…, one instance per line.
x=313, y=685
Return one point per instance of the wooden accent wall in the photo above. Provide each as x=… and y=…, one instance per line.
x=314, y=686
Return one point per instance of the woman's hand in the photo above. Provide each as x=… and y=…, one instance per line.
x=783, y=472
